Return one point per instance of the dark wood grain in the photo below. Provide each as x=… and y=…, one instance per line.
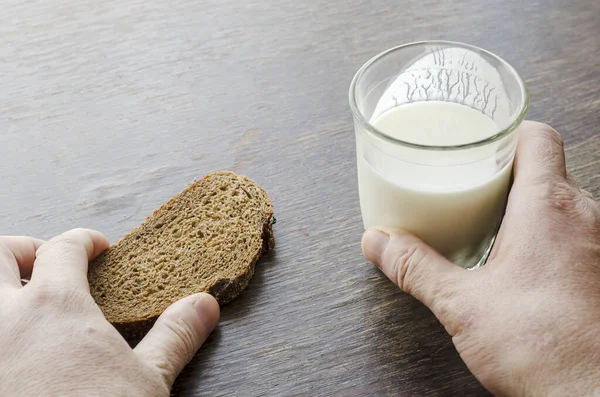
x=109, y=108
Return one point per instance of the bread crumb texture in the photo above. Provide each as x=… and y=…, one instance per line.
x=206, y=239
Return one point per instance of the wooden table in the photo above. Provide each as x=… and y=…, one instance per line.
x=108, y=108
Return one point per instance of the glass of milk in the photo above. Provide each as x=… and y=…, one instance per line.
x=436, y=130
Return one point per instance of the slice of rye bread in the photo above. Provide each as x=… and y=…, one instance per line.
x=208, y=238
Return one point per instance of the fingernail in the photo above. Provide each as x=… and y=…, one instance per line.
x=207, y=309
x=374, y=242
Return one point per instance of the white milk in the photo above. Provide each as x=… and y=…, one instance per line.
x=454, y=208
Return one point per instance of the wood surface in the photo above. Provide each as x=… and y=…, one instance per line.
x=108, y=108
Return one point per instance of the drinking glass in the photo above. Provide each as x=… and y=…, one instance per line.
x=452, y=196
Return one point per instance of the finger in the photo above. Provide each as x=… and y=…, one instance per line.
x=64, y=259
x=417, y=269
x=539, y=169
x=178, y=334
x=540, y=154
x=17, y=255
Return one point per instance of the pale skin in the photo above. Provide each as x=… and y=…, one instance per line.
x=526, y=324
x=55, y=341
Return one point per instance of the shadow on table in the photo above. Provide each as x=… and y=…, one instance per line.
x=410, y=350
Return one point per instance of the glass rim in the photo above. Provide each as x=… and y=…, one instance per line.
x=373, y=130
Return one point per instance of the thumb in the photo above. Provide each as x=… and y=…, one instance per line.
x=540, y=155
x=418, y=270
x=178, y=334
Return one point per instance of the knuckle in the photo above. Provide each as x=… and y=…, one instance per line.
x=461, y=315
x=66, y=299
x=63, y=247
x=158, y=387
x=545, y=132
x=553, y=136
x=57, y=244
x=564, y=198
x=79, y=230
x=591, y=215
x=66, y=243
x=441, y=294
x=154, y=381
x=166, y=370
x=587, y=194
x=81, y=236
x=561, y=195
x=406, y=265
x=178, y=338
x=185, y=341
x=42, y=294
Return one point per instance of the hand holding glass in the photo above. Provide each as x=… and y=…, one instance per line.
x=436, y=131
